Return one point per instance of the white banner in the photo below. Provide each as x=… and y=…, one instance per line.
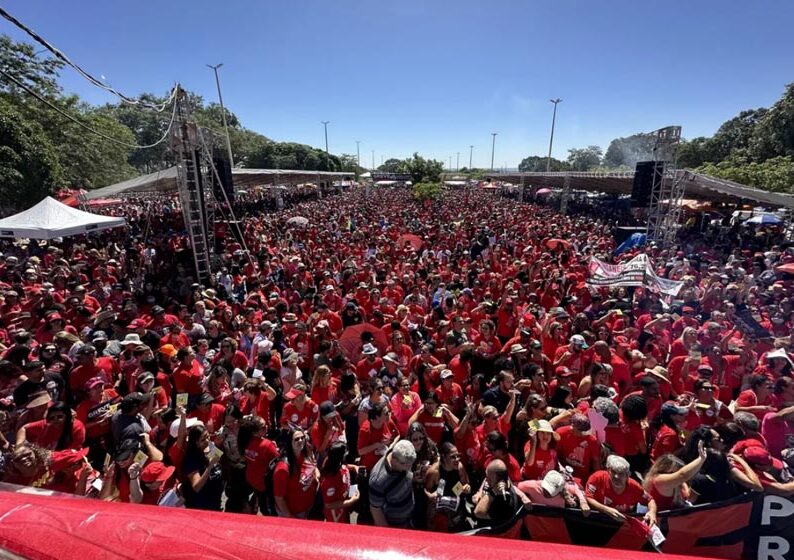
x=636, y=272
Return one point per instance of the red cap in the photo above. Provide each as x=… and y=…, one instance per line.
x=136, y=324
x=55, y=317
x=61, y=460
x=156, y=472
x=760, y=457
x=563, y=371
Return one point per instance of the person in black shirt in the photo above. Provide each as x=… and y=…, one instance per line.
x=499, y=395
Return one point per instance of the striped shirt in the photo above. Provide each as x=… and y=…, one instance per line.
x=392, y=492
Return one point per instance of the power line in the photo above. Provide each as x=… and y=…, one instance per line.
x=85, y=126
x=61, y=56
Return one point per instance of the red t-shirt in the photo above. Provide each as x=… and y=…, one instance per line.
x=46, y=435
x=298, y=489
x=667, y=440
x=434, y=425
x=625, y=439
x=599, y=488
x=367, y=435
x=545, y=461
x=334, y=489
x=188, y=379
x=577, y=451
x=258, y=455
x=749, y=398
x=304, y=418
x=212, y=418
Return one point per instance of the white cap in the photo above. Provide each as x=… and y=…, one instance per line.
x=553, y=483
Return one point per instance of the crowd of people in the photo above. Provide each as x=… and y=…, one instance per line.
x=427, y=364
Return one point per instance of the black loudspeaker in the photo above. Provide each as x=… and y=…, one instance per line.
x=643, y=183
x=224, y=168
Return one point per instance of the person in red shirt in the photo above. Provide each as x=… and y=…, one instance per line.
x=669, y=438
x=757, y=398
x=299, y=410
x=96, y=410
x=57, y=431
x=375, y=435
x=573, y=357
x=369, y=366
x=434, y=416
x=335, y=485
x=450, y=393
x=229, y=353
x=149, y=484
x=259, y=453
x=90, y=367
x=540, y=452
x=578, y=448
x=187, y=374
x=296, y=478
x=612, y=492
x=209, y=412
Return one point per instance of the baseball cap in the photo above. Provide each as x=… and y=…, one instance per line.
x=60, y=460
x=670, y=408
x=93, y=382
x=760, y=456
x=553, y=483
x=327, y=409
x=297, y=390
x=156, y=471
x=578, y=340
x=563, y=371
x=446, y=374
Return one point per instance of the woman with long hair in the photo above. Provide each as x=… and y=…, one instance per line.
x=56, y=431
x=296, y=478
x=426, y=455
x=540, y=452
x=259, y=453
x=666, y=481
x=335, y=484
x=446, y=479
x=722, y=476
x=203, y=485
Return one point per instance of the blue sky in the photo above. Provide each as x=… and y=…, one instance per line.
x=436, y=76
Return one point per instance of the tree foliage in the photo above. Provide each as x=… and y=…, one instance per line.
x=427, y=190
x=538, y=163
x=774, y=174
x=585, y=159
x=626, y=152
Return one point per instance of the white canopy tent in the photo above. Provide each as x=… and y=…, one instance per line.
x=50, y=219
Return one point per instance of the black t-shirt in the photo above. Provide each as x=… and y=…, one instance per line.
x=209, y=497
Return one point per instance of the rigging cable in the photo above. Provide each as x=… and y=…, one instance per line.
x=61, y=56
x=87, y=127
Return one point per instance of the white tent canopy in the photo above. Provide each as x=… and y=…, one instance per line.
x=50, y=219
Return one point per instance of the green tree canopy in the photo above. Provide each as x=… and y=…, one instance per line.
x=538, y=163
x=585, y=159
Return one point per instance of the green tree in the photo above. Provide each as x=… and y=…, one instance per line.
x=19, y=60
x=774, y=133
x=427, y=190
x=538, y=164
x=424, y=170
x=393, y=165
x=585, y=159
x=29, y=168
x=626, y=152
x=775, y=174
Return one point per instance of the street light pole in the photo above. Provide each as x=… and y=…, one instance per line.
x=551, y=138
x=327, y=159
x=358, y=153
x=373, y=160
x=493, y=147
x=223, y=112
x=457, y=163
x=471, y=151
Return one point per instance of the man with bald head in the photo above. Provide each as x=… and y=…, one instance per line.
x=498, y=501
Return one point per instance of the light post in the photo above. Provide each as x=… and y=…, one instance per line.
x=327, y=158
x=471, y=151
x=551, y=138
x=223, y=111
x=457, y=163
x=373, y=160
x=493, y=147
x=358, y=154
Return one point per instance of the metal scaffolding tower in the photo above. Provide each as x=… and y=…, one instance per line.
x=667, y=190
x=195, y=175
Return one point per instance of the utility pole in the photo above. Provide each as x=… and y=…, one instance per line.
x=457, y=163
x=373, y=160
x=551, y=139
x=327, y=158
x=493, y=147
x=358, y=153
x=471, y=151
x=223, y=112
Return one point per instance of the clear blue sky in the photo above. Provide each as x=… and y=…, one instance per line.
x=435, y=76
